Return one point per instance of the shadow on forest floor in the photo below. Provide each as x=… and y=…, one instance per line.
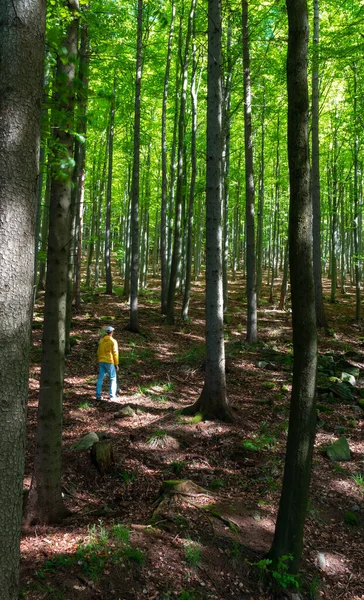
x=120, y=541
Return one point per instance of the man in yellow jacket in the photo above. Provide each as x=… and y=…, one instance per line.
x=108, y=357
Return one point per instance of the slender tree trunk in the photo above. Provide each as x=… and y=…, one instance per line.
x=81, y=157
x=284, y=285
x=275, y=220
x=108, y=271
x=180, y=176
x=134, y=271
x=226, y=162
x=251, y=334
x=334, y=225
x=357, y=257
x=288, y=537
x=44, y=231
x=187, y=290
x=315, y=182
x=164, y=263
x=213, y=403
x=44, y=503
x=261, y=207
x=22, y=35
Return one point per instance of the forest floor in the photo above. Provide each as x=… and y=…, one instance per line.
x=127, y=538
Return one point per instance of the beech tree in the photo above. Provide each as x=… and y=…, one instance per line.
x=22, y=33
x=44, y=503
x=212, y=402
x=288, y=537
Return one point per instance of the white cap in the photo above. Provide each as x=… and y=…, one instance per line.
x=110, y=329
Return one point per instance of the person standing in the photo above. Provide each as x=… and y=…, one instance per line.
x=108, y=358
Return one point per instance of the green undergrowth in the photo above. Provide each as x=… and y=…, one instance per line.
x=277, y=577
x=103, y=548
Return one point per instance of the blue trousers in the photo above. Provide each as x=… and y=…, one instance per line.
x=106, y=369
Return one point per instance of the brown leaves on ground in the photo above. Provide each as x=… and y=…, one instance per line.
x=126, y=538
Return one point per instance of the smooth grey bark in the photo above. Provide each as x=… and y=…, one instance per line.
x=101, y=188
x=357, y=219
x=134, y=268
x=261, y=205
x=188, y=253
x=212, y=402
x=107, y=249
x=251, y=333
x=334, y=213
x=163, y=234
x=44, y=502
x=226, y=162
x=288, y=536
x=284, y=286
x=44, y=232
x=80, y=156
x=22, y=35
x=176, y=254
x=315, y=174
x=275, y=235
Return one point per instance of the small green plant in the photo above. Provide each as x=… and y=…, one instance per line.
x=157, y=438
x=268, y=385
x=338, y=468
x=134, y=555
x=84, y=406
x=237, y=551
x=177, y=466
x=195, y=355
x=216, y=484
x=188, y=595
x=359, y=480
x=126, y=476
x=121, y=533
x=259, y=443
x=192, y=553
x=197, y=418
x=180, y=522
x=351, y=519
x=279, y=575
x=314, y=589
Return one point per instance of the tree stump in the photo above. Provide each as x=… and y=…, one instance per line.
x=102, y=456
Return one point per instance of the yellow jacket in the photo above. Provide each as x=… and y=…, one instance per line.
x=108, y=351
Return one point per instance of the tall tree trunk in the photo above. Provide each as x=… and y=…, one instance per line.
x=80, y=157
x=180, y=175
x=315, y=173
x=288, y=537
x=44, y=231
x=357, y=257
x=164, y=264
x=261, y=207
x=213, y=403
x=99, y=217
x=134, y=271
x=44, y=503
x=251, y=334
x=226, y=162
x=275, y=236
x=187, y=290
x=334, y=222
x=108, y=271
x=22, y=33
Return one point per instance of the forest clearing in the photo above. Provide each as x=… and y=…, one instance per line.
x=124, y=539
